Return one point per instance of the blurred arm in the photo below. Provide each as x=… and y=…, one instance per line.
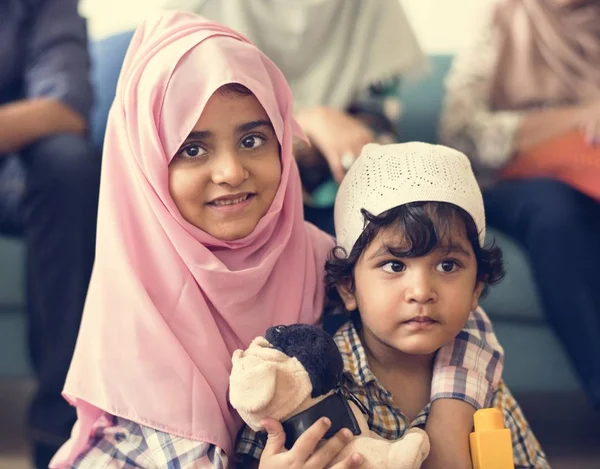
x=58, y=94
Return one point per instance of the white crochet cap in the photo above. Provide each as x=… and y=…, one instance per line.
x=387, y=176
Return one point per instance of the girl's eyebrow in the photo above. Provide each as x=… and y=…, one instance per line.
x=253, y=125
x=203, y=134
x=199, y=134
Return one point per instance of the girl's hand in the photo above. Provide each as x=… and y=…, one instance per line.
x=304, y=453
x=336, y=134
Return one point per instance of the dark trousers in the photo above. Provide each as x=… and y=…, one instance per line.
x=49, y=196
x=560, y=229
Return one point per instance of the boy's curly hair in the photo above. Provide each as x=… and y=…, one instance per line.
x=424, y=225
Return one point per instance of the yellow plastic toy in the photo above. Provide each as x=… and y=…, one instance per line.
x=491, y=443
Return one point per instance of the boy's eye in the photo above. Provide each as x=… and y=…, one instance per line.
x=192, y=150
x=252, y=141
x=393, y=267
x=447, y=266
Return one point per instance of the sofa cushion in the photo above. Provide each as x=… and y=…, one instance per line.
x=13, y=344
x=534, y=359
x=12, y=274
x=107, y=57
x=422, y=101
x=516, y=297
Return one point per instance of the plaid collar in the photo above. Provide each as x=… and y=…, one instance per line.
x=356, y=365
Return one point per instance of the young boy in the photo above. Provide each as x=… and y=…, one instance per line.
x=409, y=269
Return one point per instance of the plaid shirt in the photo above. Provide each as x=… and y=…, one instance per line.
x=467, y=369
x=390, y=423
x=123, y=444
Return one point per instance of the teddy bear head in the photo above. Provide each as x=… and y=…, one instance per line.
x=283, y=373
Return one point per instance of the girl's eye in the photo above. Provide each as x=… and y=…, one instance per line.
x=252, y=141
x=447, y=266
x=192, y=150
x=393, y=267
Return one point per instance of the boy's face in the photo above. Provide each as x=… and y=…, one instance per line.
x=227, y=172
x=414, y=305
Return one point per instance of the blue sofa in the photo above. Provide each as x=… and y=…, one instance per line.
x=535, y=361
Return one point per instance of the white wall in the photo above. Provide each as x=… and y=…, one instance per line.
x=106, y=17
x=441, y=25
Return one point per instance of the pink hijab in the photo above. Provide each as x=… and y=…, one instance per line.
x=167, y=303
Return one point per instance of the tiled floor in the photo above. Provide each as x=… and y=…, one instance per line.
x=567, y=428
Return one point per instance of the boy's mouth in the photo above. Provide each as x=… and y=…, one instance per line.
x=421, y=321
x=231, y=199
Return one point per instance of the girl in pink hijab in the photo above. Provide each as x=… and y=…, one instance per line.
x=201, y=247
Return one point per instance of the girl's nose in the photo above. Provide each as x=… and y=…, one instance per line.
x=227, y=168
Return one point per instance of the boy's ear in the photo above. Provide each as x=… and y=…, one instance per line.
x=477, y=294
x=347, y=294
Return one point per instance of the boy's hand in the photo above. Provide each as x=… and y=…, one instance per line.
x=304, y=454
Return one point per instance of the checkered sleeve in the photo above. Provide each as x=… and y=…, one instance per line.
x=470, y=367
x=123, y=443
x=528, y=453
x=249, y=446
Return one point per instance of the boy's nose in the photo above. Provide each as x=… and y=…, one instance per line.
x=228, y=169
x=420, y=290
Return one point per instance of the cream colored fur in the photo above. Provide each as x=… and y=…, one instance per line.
x=267, y=383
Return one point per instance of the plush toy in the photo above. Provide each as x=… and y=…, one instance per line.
x=293, y=375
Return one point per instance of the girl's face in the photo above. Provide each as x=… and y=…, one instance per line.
x=225, y=176
x=413, y=305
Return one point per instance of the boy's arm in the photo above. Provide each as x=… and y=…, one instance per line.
x=448, y=427
x=470, y=367
x=466, y=373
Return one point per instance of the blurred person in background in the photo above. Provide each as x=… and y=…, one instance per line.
x=49, y=177
x=344, y=61
x=523, y=100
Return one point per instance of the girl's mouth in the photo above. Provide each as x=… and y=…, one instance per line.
x=230, y=200
x=233, y=204
x=227, y=201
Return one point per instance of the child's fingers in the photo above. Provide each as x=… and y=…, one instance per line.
x=275, y=437
x=307, y=443
x=328, y=452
